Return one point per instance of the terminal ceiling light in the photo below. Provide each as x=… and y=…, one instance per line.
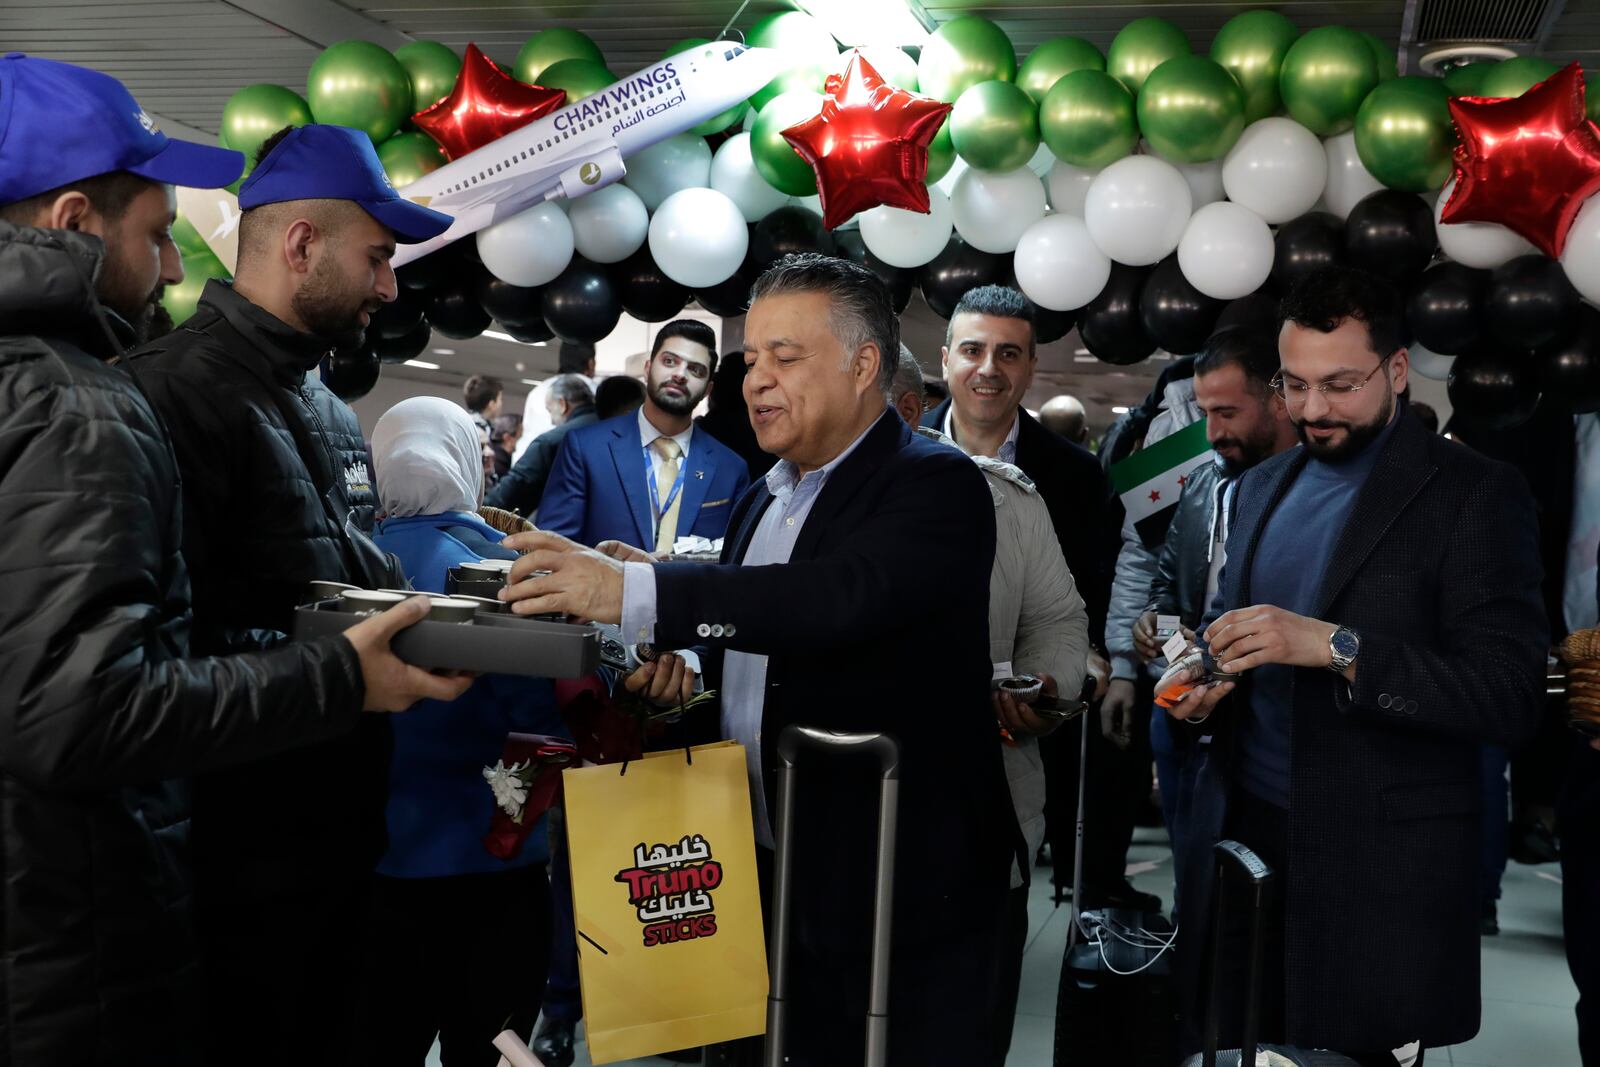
x=421, y=364
x=863, y=22
x=1119, y=410
x=496, y=335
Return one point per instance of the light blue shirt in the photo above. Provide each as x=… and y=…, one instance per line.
x=744, y=674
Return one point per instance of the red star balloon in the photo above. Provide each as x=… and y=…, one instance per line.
x=869, y=145
x=1527, y=163
x=485, y=105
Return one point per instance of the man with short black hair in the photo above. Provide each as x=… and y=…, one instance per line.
x=570, y=404
x=1381, y=600
x=277, y=494
x=504, y=433
x=482, y=396
x=618, y=395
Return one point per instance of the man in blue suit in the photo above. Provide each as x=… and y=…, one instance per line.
x=650, y=477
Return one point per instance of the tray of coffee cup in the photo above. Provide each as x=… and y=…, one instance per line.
x=460, y=633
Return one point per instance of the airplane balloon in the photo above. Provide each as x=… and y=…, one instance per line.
x=581, y=147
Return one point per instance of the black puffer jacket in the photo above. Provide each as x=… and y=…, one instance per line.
x=277, y=495
x=96, y=705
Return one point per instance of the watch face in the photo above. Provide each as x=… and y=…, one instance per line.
x=1345, y=644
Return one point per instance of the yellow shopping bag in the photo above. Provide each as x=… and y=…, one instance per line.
x=671, y=951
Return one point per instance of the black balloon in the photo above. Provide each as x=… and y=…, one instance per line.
x=947, y=277
x=1308, y=243
x=406, y=346
x=1569, y=370
x=1530, y=302
x=900, y=281
x=787, y=231
x=433, y=270
x=1258, y=311
x=1446, y=308
x=1493, y=387
x=1111, y=325
x=350, y=372
x=1050, y=326
x=728, y=299
x=532, y=334
x=454, y=310
x=398, y=317
x=1175, y=315
x=581, y=305
x=1391, y=234
x=646, y=293
x=510, y=305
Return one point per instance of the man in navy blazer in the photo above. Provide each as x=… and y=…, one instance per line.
x=821, y=613
x=602, y=488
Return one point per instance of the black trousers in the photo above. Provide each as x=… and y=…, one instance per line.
x=1579, y=823
x=459, y=958
x=1008, y=971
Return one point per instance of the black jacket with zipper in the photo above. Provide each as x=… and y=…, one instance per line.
x=1184, y=568
x=276, y=495
x=99, y=711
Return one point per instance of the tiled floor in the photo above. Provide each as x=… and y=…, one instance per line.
x=1527, y=992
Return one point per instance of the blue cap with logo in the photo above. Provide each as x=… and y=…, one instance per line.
x=60, y=124
x=338, y=163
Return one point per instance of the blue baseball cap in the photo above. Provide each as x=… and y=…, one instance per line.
x=338, y=163
x=60, y=124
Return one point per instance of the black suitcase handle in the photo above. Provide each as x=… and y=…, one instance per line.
x=794, y=740
x=1257, y=878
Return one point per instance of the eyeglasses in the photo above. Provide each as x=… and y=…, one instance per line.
x=1295, y=391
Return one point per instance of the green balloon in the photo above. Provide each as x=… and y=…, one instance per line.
x=960, y=54
x=1054, y=60
x=1590, y=98
x=1087, y=119
x=432, y=68
x=775, y=158
x=408, y=156
x=1515, y=76
x=941, y=154
x=1191, y=110
x=1251, y=47
x=579, y=77
x=1326, y=75
x=1388, y=62
x=358, y=84
x=1140, y=47
x=186, y=237
x=1467, y=80
x=256, y=112
x=802, y=38
x=182, y=299
x=995, y=126
x=717, y=123
x=1404, y=134
x=548, y=47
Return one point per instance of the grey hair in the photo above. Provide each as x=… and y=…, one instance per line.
x=572, y=388
x=861, y=311
x=907, y=377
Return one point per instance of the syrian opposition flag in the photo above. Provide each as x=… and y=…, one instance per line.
x=1150, y=481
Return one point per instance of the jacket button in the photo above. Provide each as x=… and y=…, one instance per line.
x=1411, y=707
x=728, y=630
x=1385, y=700
x=704, y=630
x=716, y=631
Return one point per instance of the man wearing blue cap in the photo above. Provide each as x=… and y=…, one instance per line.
x=99, y=711
x=277, y=494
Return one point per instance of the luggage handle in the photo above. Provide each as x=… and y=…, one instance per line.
x=1242, y=862
x=794, y=740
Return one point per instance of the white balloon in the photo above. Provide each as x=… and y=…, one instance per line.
x=698, y=237
x=1058, y=265
x=1277, y=169
x=1137, y=209
x=1069, y=186
x=1349, y=181
x=947, y=184
x=1581, y=255
x=609, y=224
x=530, y=248
x=1042, y=161
x=908, y=238
x=893, y=65
x=1226, y=252
x=681, y=162
x=1483, y=244
x=1205, y=182
x=992, y=209
x=1430, y=364
x=734, y=175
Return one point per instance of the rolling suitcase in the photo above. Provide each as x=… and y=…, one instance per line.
x=795, y=740
x=1236, y=863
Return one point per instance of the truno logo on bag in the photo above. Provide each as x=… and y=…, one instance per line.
x=671, y=888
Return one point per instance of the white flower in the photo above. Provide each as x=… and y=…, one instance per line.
x=510, y=793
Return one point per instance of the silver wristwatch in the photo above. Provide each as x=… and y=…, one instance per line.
x=1343, y=647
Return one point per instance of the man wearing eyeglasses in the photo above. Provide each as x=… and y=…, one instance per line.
x=1381, y=602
